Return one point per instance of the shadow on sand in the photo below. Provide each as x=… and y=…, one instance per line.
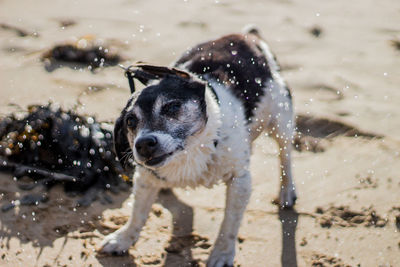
x=289, y=219
x=41, y=225
x=179, y=251
x=183, y=241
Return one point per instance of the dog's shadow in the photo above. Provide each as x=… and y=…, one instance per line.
x=289, y=219
x=179, y=251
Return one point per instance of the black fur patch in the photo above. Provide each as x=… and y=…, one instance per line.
x=121, y=143
x=172, y=88
x=234, y=60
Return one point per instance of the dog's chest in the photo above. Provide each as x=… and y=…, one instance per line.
x=206, y=165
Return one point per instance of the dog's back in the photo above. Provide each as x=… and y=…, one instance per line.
x=244, y=64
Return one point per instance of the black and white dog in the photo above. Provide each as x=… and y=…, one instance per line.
x=194, y=124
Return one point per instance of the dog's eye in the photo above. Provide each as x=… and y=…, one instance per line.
x=171, y=109
x=131, y=121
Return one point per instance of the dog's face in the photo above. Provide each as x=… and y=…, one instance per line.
x=157, y=121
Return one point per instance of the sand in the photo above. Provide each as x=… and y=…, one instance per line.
x=348, y=192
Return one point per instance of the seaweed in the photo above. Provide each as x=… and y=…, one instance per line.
x=54, y=146
x=86, y=52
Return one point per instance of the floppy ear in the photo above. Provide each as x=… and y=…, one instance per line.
x=146, y=72
x=161, y=71
x=121, y=143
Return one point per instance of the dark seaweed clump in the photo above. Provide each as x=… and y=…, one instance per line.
x=54, y=146
x=92, y=56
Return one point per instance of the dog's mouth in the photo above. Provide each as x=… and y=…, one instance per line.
x=153, y=162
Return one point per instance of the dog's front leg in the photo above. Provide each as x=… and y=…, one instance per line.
x=120, y=241
x=237, y=196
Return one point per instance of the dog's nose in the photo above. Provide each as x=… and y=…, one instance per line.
x=146, y=146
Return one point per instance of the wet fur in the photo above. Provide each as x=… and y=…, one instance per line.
x=214, y=142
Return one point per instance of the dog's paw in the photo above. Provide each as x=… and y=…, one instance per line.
x=287, y=198
x=220, y=258
x=117, y=243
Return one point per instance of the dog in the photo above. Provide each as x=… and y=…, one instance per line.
x=194, y=123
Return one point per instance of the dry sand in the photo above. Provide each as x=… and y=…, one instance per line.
x=348, y=194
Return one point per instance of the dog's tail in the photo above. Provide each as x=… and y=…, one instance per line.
x=251, y=29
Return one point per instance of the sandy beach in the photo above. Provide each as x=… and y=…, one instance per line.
x=341, y=60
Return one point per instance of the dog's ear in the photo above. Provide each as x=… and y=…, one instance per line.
x=146, y=73
x=121, y=143
x=162, y=71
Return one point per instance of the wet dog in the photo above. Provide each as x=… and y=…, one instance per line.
x=194, y=124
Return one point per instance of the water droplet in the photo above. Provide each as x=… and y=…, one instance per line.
x=90, y=120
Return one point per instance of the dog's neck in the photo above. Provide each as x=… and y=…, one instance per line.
x=187, y=166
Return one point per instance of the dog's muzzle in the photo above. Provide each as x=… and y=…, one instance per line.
x=148, y=148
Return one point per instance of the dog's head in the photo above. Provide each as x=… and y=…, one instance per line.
x=157, y=120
